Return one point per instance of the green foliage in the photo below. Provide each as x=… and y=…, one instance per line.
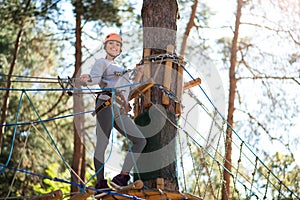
x=205, y=176
x=47, y=185
x=286, y=171
x=38, y=55
x=33, y=150
x=106, y=11
x=54, y=170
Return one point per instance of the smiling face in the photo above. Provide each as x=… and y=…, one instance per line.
x=113, y=49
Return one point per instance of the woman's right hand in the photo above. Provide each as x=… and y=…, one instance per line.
x=85, y=78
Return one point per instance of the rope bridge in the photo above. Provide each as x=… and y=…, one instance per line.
x=251, y=177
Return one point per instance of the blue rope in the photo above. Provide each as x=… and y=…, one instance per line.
x=15, y=130
x=44, y=126
x=45, y=120
x=39, y=175
x=69, y=89
x=14, y=133
x=55, y=118
x=67, y=182
x=167, y=92
x=114, y=193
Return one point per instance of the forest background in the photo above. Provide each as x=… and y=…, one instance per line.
x=38, y=40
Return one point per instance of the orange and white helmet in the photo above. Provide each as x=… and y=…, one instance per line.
x=113, y=37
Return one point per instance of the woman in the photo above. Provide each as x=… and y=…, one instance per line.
x=109, y=74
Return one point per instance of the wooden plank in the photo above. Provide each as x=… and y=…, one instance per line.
x=136, y=107
x=167, y=76
x=140, y=89
x=139, y=73
x=57, y=194
x=137, y=79
x=153, y=194
x=160, y=183
x=146, y=77
x=179, y=88
x=192, y=83
x=83, y=195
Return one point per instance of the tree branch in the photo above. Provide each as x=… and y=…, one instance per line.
x=271, y=77
x=54, y=106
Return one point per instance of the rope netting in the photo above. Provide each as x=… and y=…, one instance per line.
x=200, y=155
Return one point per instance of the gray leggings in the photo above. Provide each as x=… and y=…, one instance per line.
x=126, y=126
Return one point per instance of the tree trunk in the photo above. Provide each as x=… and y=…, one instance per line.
x=5, y=101
x=78, y=163
x=159, y=29
x=226, y=193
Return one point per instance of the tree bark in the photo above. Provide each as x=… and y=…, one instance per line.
x=159, y=30
x=78, y=163
x=226, y=193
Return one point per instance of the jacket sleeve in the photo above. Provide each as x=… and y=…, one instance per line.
x=97, y=71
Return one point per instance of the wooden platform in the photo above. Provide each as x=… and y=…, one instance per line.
x=147, y=194
x=55, y=195
x=140, y=89
x=140, y=192
x=153, y=194
x=135, y=190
